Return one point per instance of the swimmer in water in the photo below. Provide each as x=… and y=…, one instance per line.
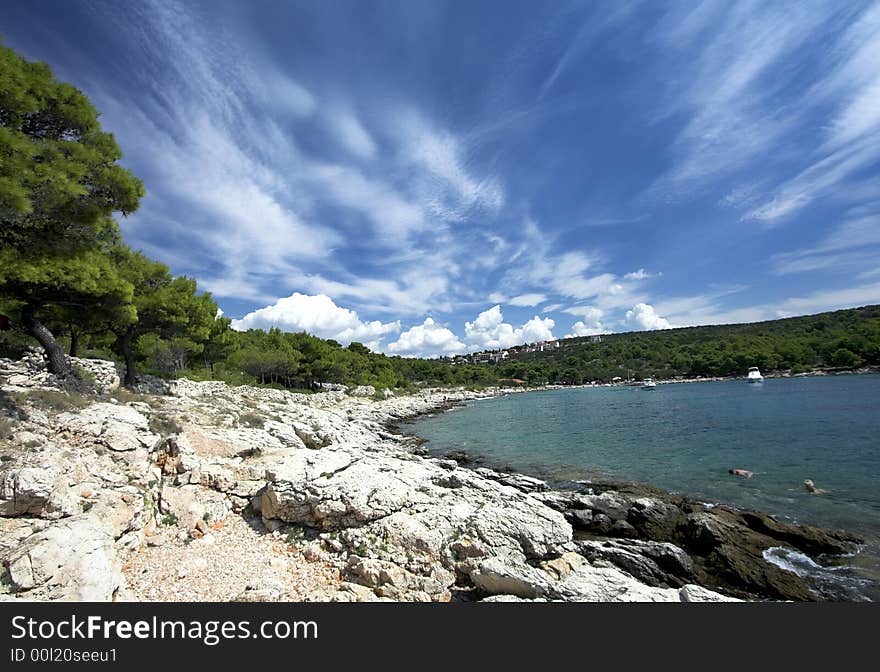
x=812, y=489
x=745, y=473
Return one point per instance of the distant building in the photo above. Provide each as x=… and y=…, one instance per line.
x=490, y=357
x=596, y=339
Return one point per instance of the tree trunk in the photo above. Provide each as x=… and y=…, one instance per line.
x=125, y=346
x=74, y=339
x=58, y=363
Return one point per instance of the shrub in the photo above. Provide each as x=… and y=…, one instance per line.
x=5, y=428
x=251, y=420
x=56, y=401
x=164, y=425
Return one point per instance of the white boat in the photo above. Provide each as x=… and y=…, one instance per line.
x=648, y=384
x=754, y=375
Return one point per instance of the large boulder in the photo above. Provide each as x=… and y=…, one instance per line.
x=36, y=491
x=390, y=580
x=332, y=489
x=118, y=427
x=571, y=578
x=511, y=576
x=74, y=559
x=653, y=563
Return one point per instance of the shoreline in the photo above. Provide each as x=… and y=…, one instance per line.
x=772, y=375
x=334, y=493
x=479, y=463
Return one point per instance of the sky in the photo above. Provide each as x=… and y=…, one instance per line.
x=430, y=178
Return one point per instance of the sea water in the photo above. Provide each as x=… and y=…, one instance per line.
x=685, y=437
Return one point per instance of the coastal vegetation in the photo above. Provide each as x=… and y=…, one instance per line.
x=69, y=283
x=844, y=339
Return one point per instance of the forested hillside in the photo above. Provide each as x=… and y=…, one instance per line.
x=843, y=338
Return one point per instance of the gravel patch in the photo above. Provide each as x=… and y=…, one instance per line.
x=238, y=556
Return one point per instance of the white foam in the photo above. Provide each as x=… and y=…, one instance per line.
x=792, y=561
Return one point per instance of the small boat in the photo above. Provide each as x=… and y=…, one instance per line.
x=754, y=375
x=648, y=384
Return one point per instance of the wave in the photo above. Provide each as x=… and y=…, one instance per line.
x=835, y=583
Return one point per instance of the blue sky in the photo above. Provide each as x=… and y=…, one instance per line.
x=438, y=177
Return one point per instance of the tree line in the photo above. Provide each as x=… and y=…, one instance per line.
x=844, y=339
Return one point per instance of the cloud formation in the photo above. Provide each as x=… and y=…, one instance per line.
x=317, y=315
x=428, y=339
x=489, y=331
x=644, y=317
x=411, y=188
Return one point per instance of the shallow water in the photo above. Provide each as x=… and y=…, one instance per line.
x=685, y=438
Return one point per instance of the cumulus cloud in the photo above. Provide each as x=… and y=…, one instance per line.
x=490, y=331
x=581, y=329
x=590, y=325
x=536, y=329
x=643, y=316
x=428, y=339
x=317, y=315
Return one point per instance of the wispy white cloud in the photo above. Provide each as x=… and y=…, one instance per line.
x=227, y=131
x=833, y=299
x=349, y=132
x=847, y=95
x=837, y=250
x=728, y=53
x=530, y=300
x=586, y=30
x=393, y=216
x=445, y=183
x=706, y=309
x=413, y=293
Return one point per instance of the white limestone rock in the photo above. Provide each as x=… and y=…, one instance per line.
x=36, y=491
x=74, y=560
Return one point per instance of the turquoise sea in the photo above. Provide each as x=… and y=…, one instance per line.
x=685, y=437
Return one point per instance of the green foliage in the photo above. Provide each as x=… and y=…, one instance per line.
x=59, y=185
x=845, y=358
x=844, y=338
x=59, y=178
x=173, y=320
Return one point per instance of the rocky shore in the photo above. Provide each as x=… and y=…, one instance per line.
x=211, y=492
